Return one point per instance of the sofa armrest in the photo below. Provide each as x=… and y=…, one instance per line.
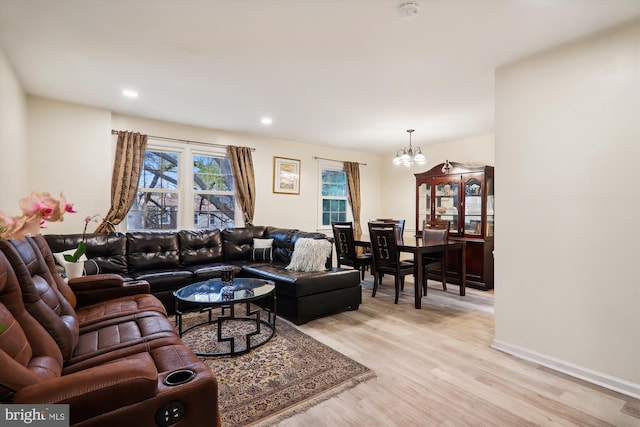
x=102, y=287
x=96, y=281
x=97, y=390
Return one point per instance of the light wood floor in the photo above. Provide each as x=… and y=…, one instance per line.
x=435, y=367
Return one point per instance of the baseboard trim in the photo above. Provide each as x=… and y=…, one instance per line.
x=612, y=383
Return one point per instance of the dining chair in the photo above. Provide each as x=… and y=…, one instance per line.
x=346, y=252
x=439, y=234
x=398, y=223
x=386, y=257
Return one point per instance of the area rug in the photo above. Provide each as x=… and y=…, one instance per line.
x=285, y=376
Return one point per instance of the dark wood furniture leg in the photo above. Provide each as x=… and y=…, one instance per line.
x=462, y=268
x=417, y=278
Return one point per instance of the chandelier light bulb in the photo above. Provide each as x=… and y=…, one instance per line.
x=419, y=157
x=397, y=160
x=408, y=155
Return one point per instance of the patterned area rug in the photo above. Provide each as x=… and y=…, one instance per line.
x=285, y=376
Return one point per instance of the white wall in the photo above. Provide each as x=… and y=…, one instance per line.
x=399, y=182
x=70, y=151
x=73, y=151
x=13, y=139
x=567, y=278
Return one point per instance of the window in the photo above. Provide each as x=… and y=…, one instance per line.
x=214, y=199
x=156, y=204
x=334, y=205
x=171, y=177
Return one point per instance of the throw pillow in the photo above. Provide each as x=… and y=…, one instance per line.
x=262, y=250
x=91, y=267
x=310, y=255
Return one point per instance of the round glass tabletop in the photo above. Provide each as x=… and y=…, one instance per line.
x=213, y=291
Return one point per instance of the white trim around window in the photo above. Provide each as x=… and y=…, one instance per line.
x=324, y=165
x=186, y=192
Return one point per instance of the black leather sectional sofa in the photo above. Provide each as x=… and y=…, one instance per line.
x=171, y=260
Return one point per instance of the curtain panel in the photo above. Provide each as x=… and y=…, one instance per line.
x=243, y=175
x=352, y=170
x=127, y=166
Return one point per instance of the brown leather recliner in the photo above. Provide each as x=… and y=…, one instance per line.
x=94, y=343
x=165, y=386
x=101, y=296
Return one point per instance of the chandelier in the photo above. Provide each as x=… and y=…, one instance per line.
x=408, y=156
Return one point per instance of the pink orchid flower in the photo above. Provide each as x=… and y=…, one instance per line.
x=91, y=218
x=37, y=204
x=58, y=208
x=6, y=224
x=25, y=226
x=68, y=207
x=36, y=209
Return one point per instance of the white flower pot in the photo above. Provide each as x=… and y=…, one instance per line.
x=74, y=269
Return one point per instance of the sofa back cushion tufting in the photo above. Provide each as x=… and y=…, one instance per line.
x=108, y=251
x=150, y=250
x=200, y=247
x=236, y=244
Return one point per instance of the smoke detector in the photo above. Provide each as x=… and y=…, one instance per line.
x=407, y=9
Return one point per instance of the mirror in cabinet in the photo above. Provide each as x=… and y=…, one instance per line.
x=446, y=202
x=472, y=207
x=424, y=203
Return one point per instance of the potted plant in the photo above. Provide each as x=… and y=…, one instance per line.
x=75, y=266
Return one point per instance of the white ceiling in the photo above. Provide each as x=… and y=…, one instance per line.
x=347, y=73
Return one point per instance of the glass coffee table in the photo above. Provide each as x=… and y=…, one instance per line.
x=220, y=301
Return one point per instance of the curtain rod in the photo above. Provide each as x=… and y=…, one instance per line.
x=186, y=141
x=334, y=160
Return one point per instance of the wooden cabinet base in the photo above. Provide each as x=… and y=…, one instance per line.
x=479, y=260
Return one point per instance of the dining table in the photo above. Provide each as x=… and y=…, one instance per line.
x=416, y=246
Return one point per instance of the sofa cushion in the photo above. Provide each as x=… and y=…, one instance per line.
x=152, y=251
x=310, y=255
x=300, y=283
x=108, y=251
x=200, y=247
x=282, y=244
x=165, y=278
x=237, y=242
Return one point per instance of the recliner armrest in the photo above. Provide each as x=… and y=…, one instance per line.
x=102, y=287
x=97, y=390
x=96, y=281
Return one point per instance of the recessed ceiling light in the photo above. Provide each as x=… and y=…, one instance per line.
x=266, y=121
x=130, y=93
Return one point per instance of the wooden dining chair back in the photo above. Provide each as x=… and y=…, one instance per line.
x=435, y=261
x=397, y=223
x=346, y=252
x=386, y=257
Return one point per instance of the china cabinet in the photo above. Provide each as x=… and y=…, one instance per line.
x=463, y=196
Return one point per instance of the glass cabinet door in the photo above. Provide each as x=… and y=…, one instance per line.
x=473, y=207
x=447, y=203
x=424, y=204
x=490, y=208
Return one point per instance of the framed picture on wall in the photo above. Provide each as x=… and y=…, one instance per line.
x=286, y=175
